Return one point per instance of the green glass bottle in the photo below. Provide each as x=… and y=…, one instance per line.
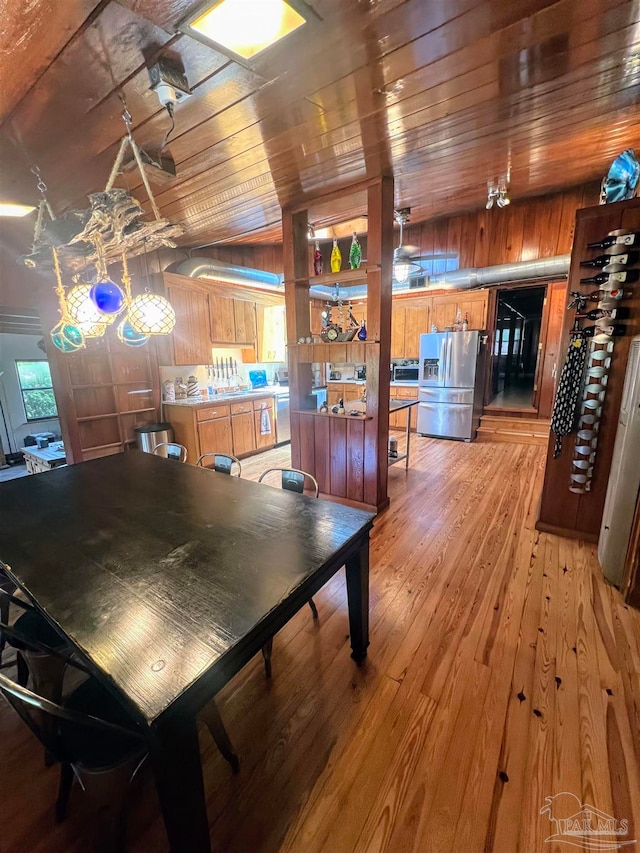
x=355, y=253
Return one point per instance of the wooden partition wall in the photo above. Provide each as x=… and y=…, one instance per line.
x=346, y=454
x=562, y=511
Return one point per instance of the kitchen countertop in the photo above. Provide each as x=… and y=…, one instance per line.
x=401, y=384
x=236, y=396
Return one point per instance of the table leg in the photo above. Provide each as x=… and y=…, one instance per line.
x=175, y=758
x=357, y=570
x=406, y=461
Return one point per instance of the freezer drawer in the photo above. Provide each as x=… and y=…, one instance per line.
x=447, y=420
x=446, y=395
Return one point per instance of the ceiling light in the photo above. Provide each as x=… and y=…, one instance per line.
x=245, y=28
x=8, y=209
x=403, y=265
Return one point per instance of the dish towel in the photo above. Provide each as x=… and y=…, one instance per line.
x=564, y=406
x=265, y=420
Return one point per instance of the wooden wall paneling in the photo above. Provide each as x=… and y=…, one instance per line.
x=307, y=444
x=295, y=426
x=454, y=234
x=355, y=460
x=481, y=243
x=561, y=510
x=322, y=452
x=338, y=456
x=552, y=352
x=440, y=236
x=514, y=228
x=467, y=243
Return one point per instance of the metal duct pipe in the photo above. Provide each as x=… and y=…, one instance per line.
x=501, y=273
x=230, y=273
x=456, y=280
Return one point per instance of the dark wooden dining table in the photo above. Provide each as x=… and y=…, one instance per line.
x=168, y=578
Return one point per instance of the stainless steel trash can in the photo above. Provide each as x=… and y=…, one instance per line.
x=150, y=436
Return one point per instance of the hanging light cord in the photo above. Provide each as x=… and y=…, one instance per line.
x=169, y=107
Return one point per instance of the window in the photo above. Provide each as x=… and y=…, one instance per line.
x=36, y=388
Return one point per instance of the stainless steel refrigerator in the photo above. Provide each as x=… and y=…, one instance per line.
x=451, y=378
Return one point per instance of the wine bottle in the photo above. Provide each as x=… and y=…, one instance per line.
x=621, y=240
x=600, y=313
x=623, y=259
x=614, y=330
x=624, y=277
x=601, y=295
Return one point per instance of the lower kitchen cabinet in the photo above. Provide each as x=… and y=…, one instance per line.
x=215, y=436
x=398, y=420
x=229, y=427
x=267, y=439
x=244, y=439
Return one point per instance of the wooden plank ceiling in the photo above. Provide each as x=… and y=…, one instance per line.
x=445, y=94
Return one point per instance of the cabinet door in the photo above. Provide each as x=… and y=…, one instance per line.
x=245, y=321
x=267, y=439
x=416, y=324
x=222, y=320
x=243, y=433
x=333, y=395
x=474, y=305
x=443, y=311
x=191, y=341
x=215, y=436
x=352, y=392
x=272, y=333
x=397, y=331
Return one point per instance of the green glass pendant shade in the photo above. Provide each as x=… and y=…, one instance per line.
x=355, y=253
x=128, y=335
x=66, y=337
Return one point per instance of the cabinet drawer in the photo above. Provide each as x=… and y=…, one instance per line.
x=241, y=408
x=406, y=393
x=212, y=414
x=260, y=404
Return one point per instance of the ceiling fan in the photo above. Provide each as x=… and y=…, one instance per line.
x=404, y=264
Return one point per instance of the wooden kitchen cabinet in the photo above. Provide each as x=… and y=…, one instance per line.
x=264, y=441
x=244, y=440
x=272, y=333
x=398, y=420
x=245, y=322
x=398, y=319
x=416, y=323
x=443, y=311
x=222, y=320
x=191, y=336
x=215, y=436
x=474, y=305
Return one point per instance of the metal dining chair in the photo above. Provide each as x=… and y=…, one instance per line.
x=171, y=450
x=222, y=463
x=93, y=738
x=292, y=480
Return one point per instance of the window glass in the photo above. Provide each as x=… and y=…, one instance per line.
x=36, y=388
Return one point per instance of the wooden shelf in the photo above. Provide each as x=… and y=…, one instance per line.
x=97, y=417
x=92, y=385
x=137, y=411
x=393, y=459
x=134, y=381
x=341, y=277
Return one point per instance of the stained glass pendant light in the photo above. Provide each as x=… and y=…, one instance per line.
x=66, y=336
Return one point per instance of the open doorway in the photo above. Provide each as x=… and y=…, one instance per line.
x=515, y=348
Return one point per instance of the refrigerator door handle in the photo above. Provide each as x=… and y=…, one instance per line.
x=449, y=347
x=442, y=378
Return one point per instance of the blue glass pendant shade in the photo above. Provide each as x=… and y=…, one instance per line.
x=107, y=297
x=128, y=335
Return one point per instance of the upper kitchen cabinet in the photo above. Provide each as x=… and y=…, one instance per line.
x=191, y=336
x=407, y=324
x=272, y=333
x=472, y=303
x=222, y=320
x=245, y=322
x=232, y=321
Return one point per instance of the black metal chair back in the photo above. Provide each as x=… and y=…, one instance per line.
x=292, y=479
x=222, y=463
x=62, y=731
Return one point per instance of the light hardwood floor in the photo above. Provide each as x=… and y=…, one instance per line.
x=502, y=670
